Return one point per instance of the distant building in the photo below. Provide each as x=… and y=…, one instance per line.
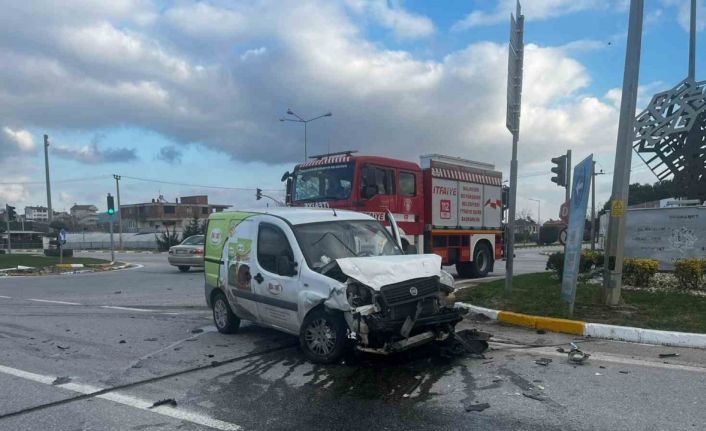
x=36, y=214
x=526, y=227
x=159, y=214
x=84, y=215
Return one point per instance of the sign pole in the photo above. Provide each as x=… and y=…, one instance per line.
x=112, y=243
x=613, y=266
x=577, y=223
x=514, y=99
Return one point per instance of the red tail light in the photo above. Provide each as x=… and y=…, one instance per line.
x=197, y=251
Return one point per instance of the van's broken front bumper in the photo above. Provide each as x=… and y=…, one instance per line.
x=404, y=315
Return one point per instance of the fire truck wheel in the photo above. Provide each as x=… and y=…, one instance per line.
x=482, y=262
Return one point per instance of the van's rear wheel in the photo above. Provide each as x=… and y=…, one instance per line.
x=482, y=262
x=323, y=336
x=223, y=317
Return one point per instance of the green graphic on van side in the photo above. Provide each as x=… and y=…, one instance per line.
x=239, y=250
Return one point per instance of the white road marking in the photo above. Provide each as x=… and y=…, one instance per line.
x=126, y=400
x=114, y=307
x=6, y=297
x=551, y=351
x=54, y=302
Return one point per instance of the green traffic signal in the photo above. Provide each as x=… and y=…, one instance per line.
x=111, y=205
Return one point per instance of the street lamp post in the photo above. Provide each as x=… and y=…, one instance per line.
x=299, y=119
x=539, y=209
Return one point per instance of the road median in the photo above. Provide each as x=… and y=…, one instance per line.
x=662, y=318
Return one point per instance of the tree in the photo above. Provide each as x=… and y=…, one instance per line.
x=195, y=227
x=167, y=239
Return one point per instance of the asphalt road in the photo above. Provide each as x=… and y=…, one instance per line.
x=112, y=344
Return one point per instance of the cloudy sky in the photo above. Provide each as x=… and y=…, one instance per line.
x=191, y=92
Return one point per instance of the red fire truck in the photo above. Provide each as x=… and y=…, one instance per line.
x=444, y=205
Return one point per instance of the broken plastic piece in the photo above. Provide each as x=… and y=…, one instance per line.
x=477, y=407
x=534, y=396
x=668, y=355
x=167, y=401
x=543, y=361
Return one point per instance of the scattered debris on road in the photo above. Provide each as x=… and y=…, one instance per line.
x=541, y=331
x=543, y=361
x=534, y=396
x=196, y=331
x=668, y=355
x=122, y=342
x=477, y=407
x=624, y=372
x=61, y=347
x=167, y=401
x=61, y=380
x=150, y=339
x=576, y=355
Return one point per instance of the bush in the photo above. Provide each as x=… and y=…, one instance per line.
x=589, y=259
x=638, y=272
x=690, y=272
x=167, y=239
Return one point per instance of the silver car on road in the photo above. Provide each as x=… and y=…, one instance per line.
x=187, y=254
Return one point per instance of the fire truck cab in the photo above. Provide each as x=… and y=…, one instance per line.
x=448, y=206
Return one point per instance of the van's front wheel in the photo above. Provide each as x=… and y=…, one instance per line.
x=323, y=336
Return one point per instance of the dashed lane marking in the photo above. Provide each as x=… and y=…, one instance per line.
x=126, y=400
x=115, y=307
x=5, y=297
x=53, y=302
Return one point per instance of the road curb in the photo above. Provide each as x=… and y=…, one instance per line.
x=593, y=330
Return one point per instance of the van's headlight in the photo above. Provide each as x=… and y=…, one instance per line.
x=446, y=278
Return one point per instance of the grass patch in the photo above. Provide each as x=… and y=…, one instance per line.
x=539, y=294
x=38, y=261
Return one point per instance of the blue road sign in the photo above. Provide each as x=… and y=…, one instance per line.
x=577, y=216
x=62, y=237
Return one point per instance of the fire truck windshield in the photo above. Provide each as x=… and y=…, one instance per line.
x=319, y=183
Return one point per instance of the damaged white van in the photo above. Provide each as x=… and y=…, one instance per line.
x=329, y=277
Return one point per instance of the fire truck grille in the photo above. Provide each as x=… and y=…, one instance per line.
x=400, y=293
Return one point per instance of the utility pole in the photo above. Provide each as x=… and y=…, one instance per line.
x=613, y=271
x=514, y=104
x=46, y=170
x=120, y=216
x=111, y=214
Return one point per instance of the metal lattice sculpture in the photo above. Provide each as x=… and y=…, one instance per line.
x=670, y=137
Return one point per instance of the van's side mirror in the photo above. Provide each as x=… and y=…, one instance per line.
x=369, y=191
x=285, y=266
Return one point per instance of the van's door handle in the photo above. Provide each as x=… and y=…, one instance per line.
x=258, y=277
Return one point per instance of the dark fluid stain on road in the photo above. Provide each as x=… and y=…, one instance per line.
x=408, y=375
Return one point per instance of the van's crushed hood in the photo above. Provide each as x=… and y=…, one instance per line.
x=378, y=271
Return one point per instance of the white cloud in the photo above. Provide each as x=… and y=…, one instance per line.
x=391, y=15
x=22, y=140
x=202, y=20
x=93, y=73
x=253, y=53
x=534, y=10
x=684, y=12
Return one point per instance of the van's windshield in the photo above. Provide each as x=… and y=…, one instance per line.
x=324, y=242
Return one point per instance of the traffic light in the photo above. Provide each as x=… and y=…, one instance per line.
x=258, y=194
x=559, y=170
x=11, y=213
x=111, y=205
